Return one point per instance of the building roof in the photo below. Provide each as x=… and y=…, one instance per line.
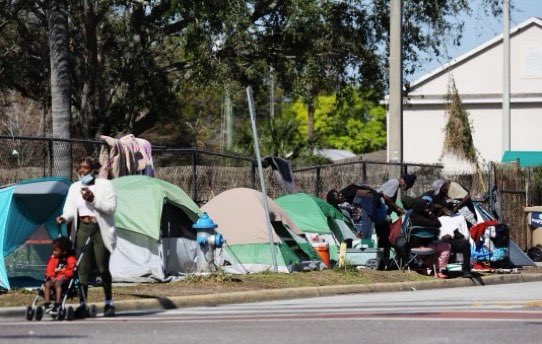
x=524, y=158
x=474, y=52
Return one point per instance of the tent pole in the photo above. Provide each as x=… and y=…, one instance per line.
x=252, y=111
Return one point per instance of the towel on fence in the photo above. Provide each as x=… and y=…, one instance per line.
x=282, y=169
x=126, y=156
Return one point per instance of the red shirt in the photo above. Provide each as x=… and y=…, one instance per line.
x=60, y=267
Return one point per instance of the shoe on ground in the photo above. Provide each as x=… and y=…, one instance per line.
x=81, y=312
x=109, y=311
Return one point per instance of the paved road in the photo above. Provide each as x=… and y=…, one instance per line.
x=510, y=313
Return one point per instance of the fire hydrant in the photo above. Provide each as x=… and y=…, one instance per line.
x=208, y=240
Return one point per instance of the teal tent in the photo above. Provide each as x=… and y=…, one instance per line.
x=524, y=158
x=26, y=206
x=313, y=215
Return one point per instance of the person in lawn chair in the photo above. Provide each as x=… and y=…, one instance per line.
x=425, y=214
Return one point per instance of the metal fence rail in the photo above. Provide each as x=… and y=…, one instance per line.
x=200, y=173
x=204, y=174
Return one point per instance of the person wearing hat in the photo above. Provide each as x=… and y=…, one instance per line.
x=390, y=189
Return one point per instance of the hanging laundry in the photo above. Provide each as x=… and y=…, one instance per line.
x=282, y=170
x=127, y=155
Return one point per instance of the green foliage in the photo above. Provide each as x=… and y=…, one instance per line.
x=345, y=121
x=277, y=136
x=133, y=62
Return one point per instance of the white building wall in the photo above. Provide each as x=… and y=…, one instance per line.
x=424, y=131
x=478, y=79
x=483, y=72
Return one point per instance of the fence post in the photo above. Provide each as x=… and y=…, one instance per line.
x=364, y=173
x=194, y=175
x=317, y=183
x=50, y=144
x=253, y=169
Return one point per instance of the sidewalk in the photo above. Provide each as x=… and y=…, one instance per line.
x=161, y=303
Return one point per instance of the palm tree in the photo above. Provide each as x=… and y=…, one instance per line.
x=57, y=19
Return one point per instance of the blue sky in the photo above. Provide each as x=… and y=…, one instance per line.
x=479, y=29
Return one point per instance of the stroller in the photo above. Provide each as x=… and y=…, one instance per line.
x=70, y=289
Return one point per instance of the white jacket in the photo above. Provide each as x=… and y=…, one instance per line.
x=105, y=204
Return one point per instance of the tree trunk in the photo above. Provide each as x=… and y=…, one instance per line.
x=60, y=85
x=310, y=117
x=90, y=103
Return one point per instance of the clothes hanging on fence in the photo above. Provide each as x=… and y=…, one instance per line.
x=127, y=155
x=282, y=169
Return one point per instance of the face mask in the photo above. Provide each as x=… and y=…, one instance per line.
x=86, y=180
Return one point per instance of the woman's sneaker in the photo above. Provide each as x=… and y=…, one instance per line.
x=109, y=311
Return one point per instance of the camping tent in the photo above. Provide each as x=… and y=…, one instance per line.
x=26, y=206
x=155, y=238
x=240, y=216
x=314, y=215
x=516, y=254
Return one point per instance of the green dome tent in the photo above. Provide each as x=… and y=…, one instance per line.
x=155, y=238
x=240, y=216
x=26, y=207
x=313, y=215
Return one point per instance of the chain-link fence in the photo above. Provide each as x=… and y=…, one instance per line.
x=319, y=180
x=203, y=174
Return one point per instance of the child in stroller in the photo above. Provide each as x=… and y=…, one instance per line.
x=60, y=269
x=61, y=281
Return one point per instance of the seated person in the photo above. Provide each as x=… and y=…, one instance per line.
x=59, y=270
x=453, y=229
x=422, y=216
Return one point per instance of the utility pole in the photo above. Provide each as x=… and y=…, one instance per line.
x=395, y=109
x=229, y=118
x=272, y=93
x=506, y=77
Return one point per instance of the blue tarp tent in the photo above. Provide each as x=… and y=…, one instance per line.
x=24, y=207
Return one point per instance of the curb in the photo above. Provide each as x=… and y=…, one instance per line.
x=163, y=303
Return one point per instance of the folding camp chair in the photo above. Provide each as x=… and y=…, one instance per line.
x=420, y=240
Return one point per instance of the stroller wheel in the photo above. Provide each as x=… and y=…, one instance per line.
x=39, y=313
x=29, y=313
x=70, y=313
x=61, y=314
x=92, y=311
